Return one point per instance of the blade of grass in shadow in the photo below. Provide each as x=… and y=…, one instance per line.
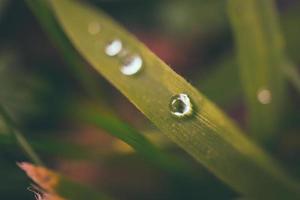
x=3, y=5
x=112, y=124
x=45, y=17
x=130, y=136
x=224, y=77
x=18, y=136
x=261, y=56
x=292, y=74
x=54, y=185
x=52, y=147
x=208, y=135
x=48, y=146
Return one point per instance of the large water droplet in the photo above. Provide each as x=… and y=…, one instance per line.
x=94, y=28
x=114, y=47
x=264, y=96
x=180, y=105
x=131, y=65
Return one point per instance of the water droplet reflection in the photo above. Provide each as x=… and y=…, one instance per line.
x=114, y=47
x=264, y=96
x=94, y=28
x=180, y=105
x=131, y=65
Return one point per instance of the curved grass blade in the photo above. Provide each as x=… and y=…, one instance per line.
x=130, y=136
x=261, y=57
x=55, y=185
x=208, y=135
x=49, y=146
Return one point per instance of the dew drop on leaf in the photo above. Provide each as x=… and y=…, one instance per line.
x=132, y=64
x=114, y=47
x=180, y=105
x=264, y=96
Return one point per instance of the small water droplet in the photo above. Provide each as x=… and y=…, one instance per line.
x=94, y=28
x=264, y=96
x=131, y=65
x=114, y=47
x=180, y=105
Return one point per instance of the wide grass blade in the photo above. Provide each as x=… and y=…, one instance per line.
x=261, y=56
x=208, y=135
x=104, y=119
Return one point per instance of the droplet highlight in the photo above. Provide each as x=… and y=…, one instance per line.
x=131, y=65
x=114, y=47
x=180, y=105
x=94, y=28
x=264, y=96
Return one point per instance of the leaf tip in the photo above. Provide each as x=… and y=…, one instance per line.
x=45, y=178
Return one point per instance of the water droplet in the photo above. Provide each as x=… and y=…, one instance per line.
x=180, y=105
x=114, y=47
x=264, y=96
x=132, y=65
x=94, y=28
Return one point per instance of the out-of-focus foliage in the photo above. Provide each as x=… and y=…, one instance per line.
x=261, y=59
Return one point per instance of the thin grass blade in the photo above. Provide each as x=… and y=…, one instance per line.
x=261, y=55
x=19, y=138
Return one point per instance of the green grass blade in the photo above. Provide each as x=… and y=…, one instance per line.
x=53, y=147
x=292, y=74
x=209, y=135
x=19, y=138
x=111, y=124
x=225, y=76
x=130, y=136
x=261, y=55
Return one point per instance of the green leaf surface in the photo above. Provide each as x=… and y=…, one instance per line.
x=261, y=55
x=208, y=135
x=108, y=122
